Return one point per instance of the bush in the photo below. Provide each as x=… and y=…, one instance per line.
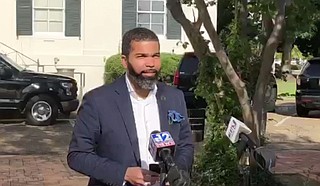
x=169, y=64
x=114, y=69
x=216, y=163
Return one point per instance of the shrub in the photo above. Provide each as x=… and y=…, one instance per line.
x=216, y=163
x=114, y=69
x=169, y=64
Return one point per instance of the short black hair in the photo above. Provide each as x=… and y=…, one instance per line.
x=136, y=34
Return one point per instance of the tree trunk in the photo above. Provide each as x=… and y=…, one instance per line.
x=236, y=82
x=252, y=118
x=252, y=115
x=201, y=49
x=286, y=56
x=267, y=24
x=266, y=67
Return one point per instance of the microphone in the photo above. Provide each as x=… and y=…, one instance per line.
x=162, y=147
x=159, y=142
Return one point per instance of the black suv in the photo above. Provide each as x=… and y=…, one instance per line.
x=308, y=87
x=185, y=79
x=38, y=96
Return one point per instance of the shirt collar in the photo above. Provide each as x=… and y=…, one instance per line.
x=132, y=91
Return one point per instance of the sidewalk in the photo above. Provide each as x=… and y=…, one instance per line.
x=298, y=167
x=296, y=142
x=52, y=170
x=36, y=156
x=38, y=170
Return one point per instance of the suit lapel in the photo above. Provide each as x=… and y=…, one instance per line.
x=125, y=108
x=163, y=108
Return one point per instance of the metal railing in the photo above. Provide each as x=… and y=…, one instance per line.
x=20, y=55
x=41, y=68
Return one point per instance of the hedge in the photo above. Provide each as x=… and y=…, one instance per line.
x=114, y=69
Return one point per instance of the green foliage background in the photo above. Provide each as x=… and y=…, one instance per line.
x=114, y=68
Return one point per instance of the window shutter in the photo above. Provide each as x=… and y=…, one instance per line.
x=73, y=18
x=129, y=15
x=24, y=17
x=173, y=27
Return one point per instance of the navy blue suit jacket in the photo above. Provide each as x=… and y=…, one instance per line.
x=104, y=141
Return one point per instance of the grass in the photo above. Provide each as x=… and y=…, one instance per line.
x=287, y=88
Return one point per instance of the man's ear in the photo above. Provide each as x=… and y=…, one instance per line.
x=124, y=61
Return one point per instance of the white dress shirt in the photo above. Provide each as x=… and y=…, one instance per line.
x=146, y=116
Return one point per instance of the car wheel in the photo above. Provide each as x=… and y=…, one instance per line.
x=41, y=110
x=302, y=111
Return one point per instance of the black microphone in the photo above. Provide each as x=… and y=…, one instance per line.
x=162, y=147
x=158, y=142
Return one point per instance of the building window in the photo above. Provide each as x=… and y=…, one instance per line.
x=152, y=15
x=48, y=16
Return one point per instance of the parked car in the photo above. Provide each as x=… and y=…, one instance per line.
x=38, y=96
x=308, y=88
x=185, y=79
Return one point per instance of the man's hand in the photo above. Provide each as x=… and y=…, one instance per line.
x=137, y=176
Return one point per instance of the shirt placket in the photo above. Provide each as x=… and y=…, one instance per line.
x=147, y=127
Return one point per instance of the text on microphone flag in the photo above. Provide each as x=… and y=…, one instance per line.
x=161, y=137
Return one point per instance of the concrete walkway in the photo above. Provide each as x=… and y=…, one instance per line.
x=36, y=170
x=298, y=167
x=296, y=142
x=33, y=156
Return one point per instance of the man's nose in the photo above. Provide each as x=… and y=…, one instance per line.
x=150, y=62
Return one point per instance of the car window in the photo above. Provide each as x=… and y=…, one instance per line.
x=2, y=65
x=312, y=68
x=12, y=63
x=189, y=64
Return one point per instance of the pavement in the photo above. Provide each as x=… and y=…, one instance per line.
x=296, y=142
x=32, y=156
x=38, y=170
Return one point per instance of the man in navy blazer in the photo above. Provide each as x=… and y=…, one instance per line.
x=106, y=143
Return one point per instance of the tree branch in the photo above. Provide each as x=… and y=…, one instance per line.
x=267, y=61
x=236, y=82
x=193, y=32
x=267, y=24
x=268, y=53
x=197, y=24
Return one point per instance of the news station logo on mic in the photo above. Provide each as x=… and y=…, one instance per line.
x=159, y=141
x=235, y=127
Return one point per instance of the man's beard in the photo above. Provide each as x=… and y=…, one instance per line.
x=147, y=83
